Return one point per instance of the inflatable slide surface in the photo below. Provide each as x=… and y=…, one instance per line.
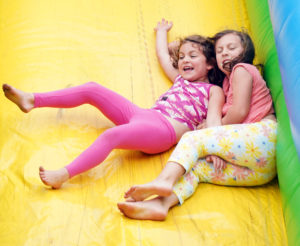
x=49, y=45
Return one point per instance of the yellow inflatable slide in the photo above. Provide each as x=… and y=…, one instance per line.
x=49, y=45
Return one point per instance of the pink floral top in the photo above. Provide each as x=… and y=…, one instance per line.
x=185, y=101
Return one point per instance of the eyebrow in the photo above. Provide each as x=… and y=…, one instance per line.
x=225, y=45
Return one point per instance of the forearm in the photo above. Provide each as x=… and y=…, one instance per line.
x=215, y=104
x=213, y=121
x=163, y=55
x=234, y=116
x=162, y=45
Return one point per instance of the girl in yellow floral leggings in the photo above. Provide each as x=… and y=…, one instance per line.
x=232, y=154
x=248, y=150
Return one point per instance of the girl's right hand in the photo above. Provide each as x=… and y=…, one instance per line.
x=219, y=163
x=164, y=25
x=202, y=125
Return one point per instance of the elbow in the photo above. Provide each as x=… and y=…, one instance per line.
x=240, y=116
x=242, y=113
x=235, y=116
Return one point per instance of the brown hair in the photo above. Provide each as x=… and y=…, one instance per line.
x=246, y=56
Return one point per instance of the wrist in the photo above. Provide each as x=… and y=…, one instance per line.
x=222, y=121
x=161, y=31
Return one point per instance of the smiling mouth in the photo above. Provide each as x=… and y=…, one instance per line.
x=188, y=69
x=225, y=62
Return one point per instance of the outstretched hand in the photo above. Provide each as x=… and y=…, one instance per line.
x=164, y=25
x=219, y=163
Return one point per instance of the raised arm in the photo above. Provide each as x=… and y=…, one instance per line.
x=162, y=51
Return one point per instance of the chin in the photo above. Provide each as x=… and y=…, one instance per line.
x=189, y=78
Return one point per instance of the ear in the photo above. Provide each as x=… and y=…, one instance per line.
x=209, y=67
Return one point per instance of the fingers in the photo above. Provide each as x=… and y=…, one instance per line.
x=130, y=200
x=164, y=22
x=202, y=125
x=216, y=162
x=208, y=158
x=164, y=25
x=219, y=163
x=129, y=192
x=223, y=164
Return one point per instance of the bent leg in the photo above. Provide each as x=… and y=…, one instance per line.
x=251, y=165
x=248, y=145
x=114, y=106
x=204, y=172
x=149, y=132
x=232, y=175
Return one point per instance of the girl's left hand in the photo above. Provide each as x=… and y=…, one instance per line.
x=219, y=163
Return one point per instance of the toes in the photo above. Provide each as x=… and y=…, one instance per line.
x=5, y=87
x=130, y=199
x=120, y=206
x=129, y=192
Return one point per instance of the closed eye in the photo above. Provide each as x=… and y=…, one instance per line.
x=218, y=51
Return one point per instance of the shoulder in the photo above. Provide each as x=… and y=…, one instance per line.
x=178, y=78
x=246, y=70
x=241, y=70
x=216, y=91
x=243, y=73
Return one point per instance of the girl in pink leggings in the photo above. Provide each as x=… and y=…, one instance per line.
x=190, y=100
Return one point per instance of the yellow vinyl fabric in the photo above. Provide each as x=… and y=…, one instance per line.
x=50, y=45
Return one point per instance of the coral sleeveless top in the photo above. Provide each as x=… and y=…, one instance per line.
x=261, y=100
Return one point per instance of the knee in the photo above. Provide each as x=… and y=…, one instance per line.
x=111, y=137
x=188, y=135
x=92, y=84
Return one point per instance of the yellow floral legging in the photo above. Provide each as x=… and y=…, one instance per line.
x=248, y=149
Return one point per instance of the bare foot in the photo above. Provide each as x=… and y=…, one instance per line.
x=54, y=178
x=141, y=192
x=24, y=100
x=145, y=210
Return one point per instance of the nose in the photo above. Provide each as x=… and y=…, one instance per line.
x=224, y=52
x=186, y=59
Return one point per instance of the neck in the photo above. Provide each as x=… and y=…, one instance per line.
x=227, y=74
x=203, y=80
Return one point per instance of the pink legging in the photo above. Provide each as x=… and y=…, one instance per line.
x=138, y=129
